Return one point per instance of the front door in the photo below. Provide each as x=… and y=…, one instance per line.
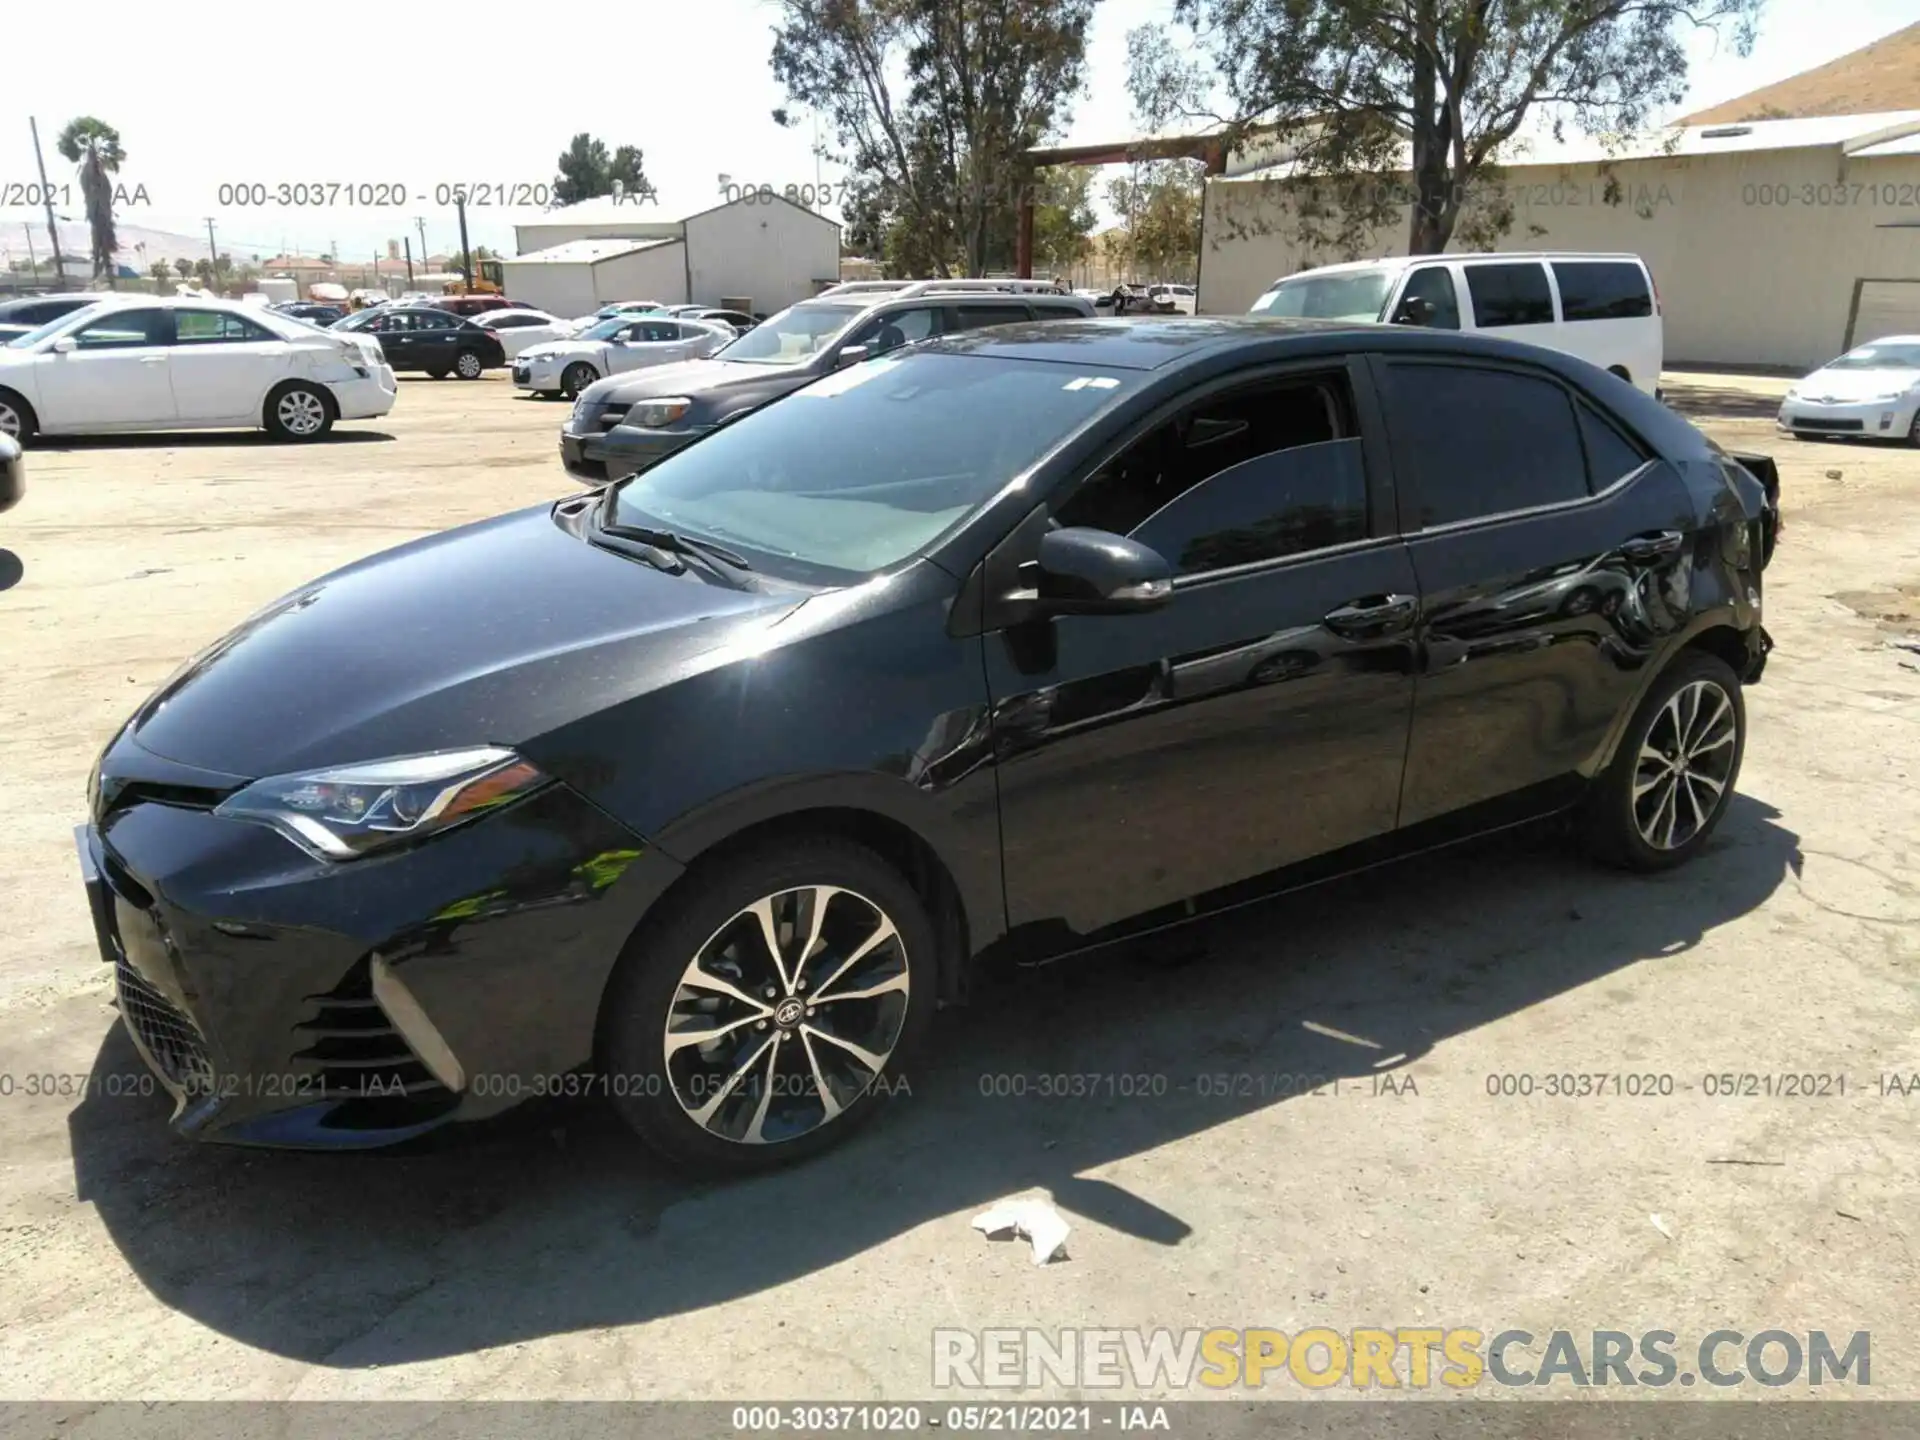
x=1553, y=553
x=116, y=374
x=222, y=365
x=1257, y=720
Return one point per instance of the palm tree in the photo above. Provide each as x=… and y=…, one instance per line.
x=94, y=146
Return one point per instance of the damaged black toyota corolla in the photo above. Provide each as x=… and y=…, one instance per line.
x=701, y=791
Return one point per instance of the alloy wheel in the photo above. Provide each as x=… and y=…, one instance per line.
x=10, y=422
x=787, y=1015
x=468, y=365
x=301, y=412
x=1685, y=763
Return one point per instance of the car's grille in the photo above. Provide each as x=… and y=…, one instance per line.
x=355, y=1048
x=1803, y=422
x=520, y=374
x=173, y=1040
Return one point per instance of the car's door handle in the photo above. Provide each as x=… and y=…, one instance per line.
x=153, y=359
x=1655, y=545
x=1374, y=614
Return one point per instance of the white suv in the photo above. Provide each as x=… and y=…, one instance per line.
x=1605, y=309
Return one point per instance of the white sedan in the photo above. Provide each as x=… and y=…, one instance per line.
x=518, y=330
x=179, y=363
x=566, y=367
x=1871, y=391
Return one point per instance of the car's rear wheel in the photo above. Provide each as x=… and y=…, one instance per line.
x=771, y=1009
x=577, y=377
x=468, y=365
x=298, y=411
x=17, y=419
x=1674, y=776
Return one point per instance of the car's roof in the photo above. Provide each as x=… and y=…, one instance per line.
x=1132, y=344
x=1888, y=340
x=1395, y=263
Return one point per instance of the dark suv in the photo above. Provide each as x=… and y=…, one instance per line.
x=19, y=317
x=628, y=422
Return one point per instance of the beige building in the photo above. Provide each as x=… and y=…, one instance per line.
x=1772, y=241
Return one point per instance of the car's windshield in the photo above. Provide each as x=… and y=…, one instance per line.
x=792, y=335
x=1880, y=357
x=1358, y=295
x=860, y=470
x=34, y=337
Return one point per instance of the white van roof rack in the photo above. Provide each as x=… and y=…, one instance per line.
x=904, y=288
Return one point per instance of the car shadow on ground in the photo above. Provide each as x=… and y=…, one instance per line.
x=548, y=1222
x=12, y=569
x=189, y=439
x=1715, y=402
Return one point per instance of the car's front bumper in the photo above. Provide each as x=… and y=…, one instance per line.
x=542, y=380
x=617, y=453
x=1875, y=419
x=283, y=1001
x=367, y=399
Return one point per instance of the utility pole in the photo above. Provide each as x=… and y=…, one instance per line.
x=33, y=261
x=421, y=222
x=466, y=253
x=46, y=194
x=407, y=240
x=213, y=255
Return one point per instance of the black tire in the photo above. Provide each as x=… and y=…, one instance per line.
x=468, y=365
x=1621, y=371
x=298, y=412
x=436, y=374
x=575, y=378
x=711, y=917
x=17, y=418
x=1626, y=830
x=1913, y=431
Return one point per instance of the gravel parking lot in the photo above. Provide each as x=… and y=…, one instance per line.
x=545, y=1257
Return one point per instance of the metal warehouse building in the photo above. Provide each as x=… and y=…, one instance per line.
x=751, y=254
x=1772, y=242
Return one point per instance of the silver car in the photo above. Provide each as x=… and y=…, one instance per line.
x=1872, y=391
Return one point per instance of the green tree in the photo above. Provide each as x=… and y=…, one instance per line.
x=933, y=105
x=1357, y=91
x=203, y=271
x=1159, y=206
x=587, y=168
x=1063, y=219
x=162, y=276
x=95, y=147
x=183, y=267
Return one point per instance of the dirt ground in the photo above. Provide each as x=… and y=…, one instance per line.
x=546, y=1257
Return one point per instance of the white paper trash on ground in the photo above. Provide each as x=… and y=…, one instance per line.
x=1034, y=1219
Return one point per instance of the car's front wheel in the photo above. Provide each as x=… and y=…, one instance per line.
x=298, y=411
x=16, y=417
x=577, y=377
x=772, y=1008
x=1913, y=430
x=1671, y=781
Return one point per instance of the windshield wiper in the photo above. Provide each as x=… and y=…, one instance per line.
x=670, y=541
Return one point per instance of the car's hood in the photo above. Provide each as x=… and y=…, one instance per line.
x=686, y=377
x=494, y=633
x=1855, y=384
x=563, y=350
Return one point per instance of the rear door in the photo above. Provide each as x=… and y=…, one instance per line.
x=1513, y=299
x=1258, y=720
x=116, y=374
x=1552, y=551
x=223, y=366
x=436, y=339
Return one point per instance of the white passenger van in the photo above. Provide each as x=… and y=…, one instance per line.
x=1603, y=308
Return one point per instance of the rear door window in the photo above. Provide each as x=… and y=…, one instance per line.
x=1479, y=441
x=1515, y=294
x=1602, y=290
x=978, y=317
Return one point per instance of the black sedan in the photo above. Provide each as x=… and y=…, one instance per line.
x=427, y=338
x=314, y=312
x=701, y=791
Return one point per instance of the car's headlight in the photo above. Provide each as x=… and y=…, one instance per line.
x=653, y=414
x=1881, y=399
x=1793, y=392
x=346, y=811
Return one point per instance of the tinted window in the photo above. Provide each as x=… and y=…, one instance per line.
x=1433, y=285
x=1509, y=295
x=1483, y=442
x=515, y=322
x=1601, y=290
x=1046, y=310
x=1256, y=474
x=866, y=466
x=436, y=320
x=213, y=327
x=978, y=317
x=656, y=332
x=1610, y=454
x=119, y=329
x=902, y=327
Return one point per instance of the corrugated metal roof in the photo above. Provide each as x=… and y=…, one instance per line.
x=585, y=252
x=1814, y=133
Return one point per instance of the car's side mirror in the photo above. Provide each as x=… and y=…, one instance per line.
x=851, y=355
x=66, y=344
x=1080, y=571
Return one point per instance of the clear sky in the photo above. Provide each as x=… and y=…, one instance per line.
x=413, y=99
